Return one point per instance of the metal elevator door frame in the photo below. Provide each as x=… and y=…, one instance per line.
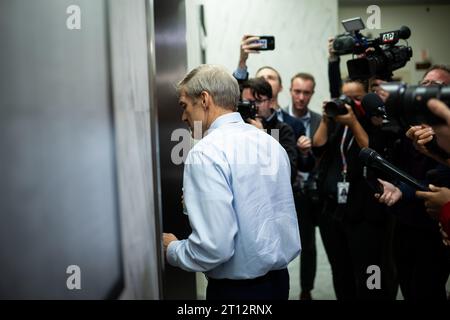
x=170, y=52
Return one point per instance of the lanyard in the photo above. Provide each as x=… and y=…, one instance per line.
x=344, y=159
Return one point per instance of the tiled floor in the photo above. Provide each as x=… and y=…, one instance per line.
x=323, y=284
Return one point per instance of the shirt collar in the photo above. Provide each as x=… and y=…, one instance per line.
x=306, y=117
x=279, y=114
x=225, y=119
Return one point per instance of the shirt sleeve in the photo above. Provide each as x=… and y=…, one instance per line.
x=334, y=78
x=208, y=198
x=240, y=74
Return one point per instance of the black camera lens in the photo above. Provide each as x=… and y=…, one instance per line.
x=336, y=107
x=408, y=104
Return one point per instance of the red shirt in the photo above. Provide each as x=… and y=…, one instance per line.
x=444, y=219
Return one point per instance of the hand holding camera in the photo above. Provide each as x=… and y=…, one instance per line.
x=347, y=119
x=331, y=52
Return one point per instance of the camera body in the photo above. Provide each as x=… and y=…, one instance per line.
x=247, y=110
x=408, y=104
x=383, y=56
x=379, y=63
x=337, y=107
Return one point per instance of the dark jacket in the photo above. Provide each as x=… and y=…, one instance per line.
x=307, y=163
x=361, y=204
x=296, y=124
x=286, y=139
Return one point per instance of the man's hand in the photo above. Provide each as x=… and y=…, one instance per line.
x=348, y=119
x=247, y=46
x=391, y=194
x=304, y=145
x=256, y=122
x=375, y=87
x=434, y=199
x=440, y=109
x=421, y=135
x=442, y=131
x=167, y=239
x=331, y=52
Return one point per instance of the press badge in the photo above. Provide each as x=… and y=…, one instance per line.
x=342, y=192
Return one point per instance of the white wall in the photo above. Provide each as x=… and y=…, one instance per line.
x=429, y=31
x=301, y=29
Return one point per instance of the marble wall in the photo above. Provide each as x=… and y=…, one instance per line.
x=301, y=29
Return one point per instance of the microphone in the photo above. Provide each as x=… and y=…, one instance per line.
x=372, y=159
x=373, y=105
x=404, y=32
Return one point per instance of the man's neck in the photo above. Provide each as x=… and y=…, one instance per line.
x=300, y=113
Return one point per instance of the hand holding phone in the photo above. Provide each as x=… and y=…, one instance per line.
x=266, y=42
x=254, y=44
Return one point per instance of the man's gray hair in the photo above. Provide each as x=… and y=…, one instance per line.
x=215, y=80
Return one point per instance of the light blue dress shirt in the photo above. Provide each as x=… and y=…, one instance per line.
x=240, y=205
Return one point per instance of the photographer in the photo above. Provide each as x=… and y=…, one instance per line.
x=437, y=198
x=259, y=92
x=421, y=257
x=352, y=228
x=248, y=46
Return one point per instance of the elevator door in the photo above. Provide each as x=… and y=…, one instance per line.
x=59, y=230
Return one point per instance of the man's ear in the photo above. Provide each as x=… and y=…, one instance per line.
x=205, y=99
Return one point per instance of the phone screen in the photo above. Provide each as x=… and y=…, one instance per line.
x=268, y=42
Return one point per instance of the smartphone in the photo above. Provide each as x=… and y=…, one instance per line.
x=268, y=42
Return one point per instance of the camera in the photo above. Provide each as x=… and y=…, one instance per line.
x=337, y=107
x=247, y=110
x=383, y=56
x=408, y=104
x=268, y=43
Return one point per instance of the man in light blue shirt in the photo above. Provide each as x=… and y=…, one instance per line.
x=237, y=194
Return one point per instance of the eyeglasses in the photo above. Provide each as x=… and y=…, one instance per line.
x=260, y=102
x=431, y=83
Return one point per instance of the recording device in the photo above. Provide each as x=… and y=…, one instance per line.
x=268, y=43
x=408, y=104
x=337, y=107
x=247, y=110
x=374, y=106
x=373, y=160
x=383, y=58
